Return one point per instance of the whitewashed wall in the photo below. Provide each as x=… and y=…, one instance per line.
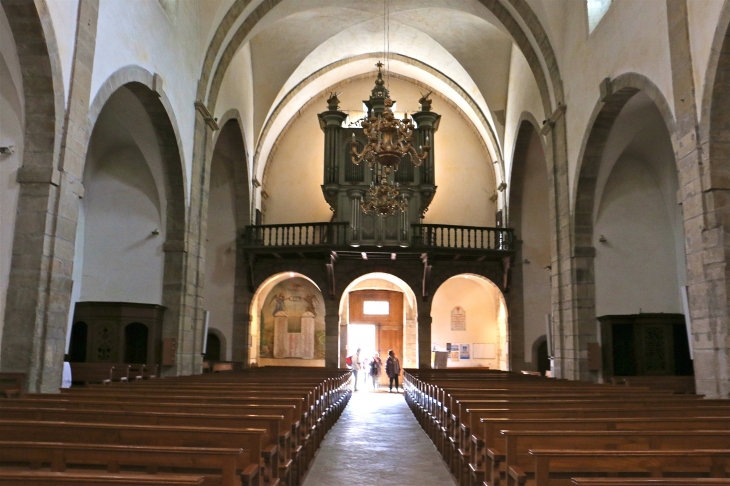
x=12, y=122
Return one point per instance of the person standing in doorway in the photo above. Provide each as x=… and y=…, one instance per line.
x=375, y=367
x=392, y=369
x=356, y=366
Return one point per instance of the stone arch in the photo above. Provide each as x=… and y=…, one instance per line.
x=542, y=60
x=523, y=321
x=263, y=290
x=717, y=68
x=232, y=306
x=146, y=88
x=500, y=306
x=43, y=88
x=484, y=120
x=241, y=175
x=708, y=297
x=619, y=91
x=222, y=338
x=29, y=312
x=410, y=329
x=615, y=94
x=536, y=351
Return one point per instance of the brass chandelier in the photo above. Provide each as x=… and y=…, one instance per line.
x=383, y=199
x=389, y=140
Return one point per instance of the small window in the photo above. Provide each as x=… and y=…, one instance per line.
x=596, y=10
x=376, y=307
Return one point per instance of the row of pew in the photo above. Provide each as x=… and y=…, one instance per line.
x=258, y=427
x=494, y=427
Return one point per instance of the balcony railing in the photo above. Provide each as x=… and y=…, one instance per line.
x=462, y=237
x=423, y=236
x=304, y=234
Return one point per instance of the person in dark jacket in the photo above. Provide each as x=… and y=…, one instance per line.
x=392, y=369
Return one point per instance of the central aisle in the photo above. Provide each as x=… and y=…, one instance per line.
x=377, y=441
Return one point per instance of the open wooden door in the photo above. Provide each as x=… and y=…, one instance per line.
x=384, y=308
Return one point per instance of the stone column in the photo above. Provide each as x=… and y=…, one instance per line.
x=703, y=192
x=242, y=299
x=332, y=333
x=424, y=334
x=344, y=321
x=39, y=291
x=570, y=333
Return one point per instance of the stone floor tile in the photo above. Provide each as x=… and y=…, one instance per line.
x=377, y=441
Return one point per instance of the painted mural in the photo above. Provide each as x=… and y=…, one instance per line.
x=292, y=321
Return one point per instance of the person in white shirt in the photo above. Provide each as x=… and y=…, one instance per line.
x=356, y=366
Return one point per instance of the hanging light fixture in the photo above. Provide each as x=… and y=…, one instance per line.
x=383, y=199
x=389, y=140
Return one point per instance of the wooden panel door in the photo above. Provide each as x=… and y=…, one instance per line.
x=389, y=328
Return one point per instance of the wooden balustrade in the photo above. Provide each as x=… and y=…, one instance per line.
x=462, y=237
x=436, y=236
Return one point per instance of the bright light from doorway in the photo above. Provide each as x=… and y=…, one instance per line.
x=361, y=336
x=376, y=307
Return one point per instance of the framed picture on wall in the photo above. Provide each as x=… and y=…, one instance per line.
x=465, y=351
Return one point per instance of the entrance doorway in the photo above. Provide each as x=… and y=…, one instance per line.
x=363, y=336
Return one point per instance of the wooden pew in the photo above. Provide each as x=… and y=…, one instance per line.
x=457, y=441
x=146, y=435
x=38, y=478
x=651, y=481
x=517, y=445
x=288, y=412
x=276, y=438
x=551, y=467
x=59, y=456
x=490, y=437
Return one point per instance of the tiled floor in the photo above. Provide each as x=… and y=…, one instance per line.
x=377, y=441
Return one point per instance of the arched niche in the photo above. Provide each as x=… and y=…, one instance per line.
x=78, y=342
x=629, y=228
x=529, y=298
x=288, y=322
x=123, y=226
x=136, y=339
x=407, y=352
x=468, y=309
x=214, y=346
x=228, y=213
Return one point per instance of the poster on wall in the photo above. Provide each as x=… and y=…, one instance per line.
x=292, y=324
x=464, y=351
x=454, y=352
x=458, y=319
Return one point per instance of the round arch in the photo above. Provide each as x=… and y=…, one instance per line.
x=155, y=101
x=384, y=281
x=223, y=342
x=302, y=97
x=605, y=112
x=32, y=32
x=314, y=308
x=529, y=215
x=525, y=28
x=616, y=94
x=463, y=285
